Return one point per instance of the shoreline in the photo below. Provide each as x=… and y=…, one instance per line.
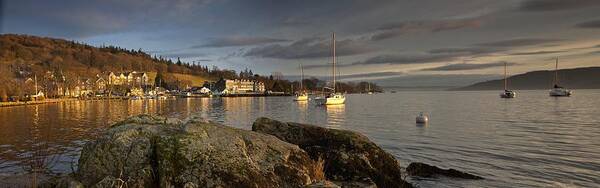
x=45, y=101
x=60, y=100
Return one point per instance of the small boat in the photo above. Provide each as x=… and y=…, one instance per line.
x=422, y=118
x=558, y=91
x=333, y=98
x=301, y=95
x=507, y=93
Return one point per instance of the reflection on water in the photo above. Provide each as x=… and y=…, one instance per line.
x=530, y=141
x=335, y=115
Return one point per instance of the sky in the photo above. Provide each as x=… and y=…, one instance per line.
x=391, y=42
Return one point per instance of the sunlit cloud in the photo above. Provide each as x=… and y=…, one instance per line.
x=238, y=41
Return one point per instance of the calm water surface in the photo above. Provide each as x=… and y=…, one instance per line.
x=530, y=141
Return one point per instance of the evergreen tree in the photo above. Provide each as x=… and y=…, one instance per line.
x=159, y=81
x=178, y=61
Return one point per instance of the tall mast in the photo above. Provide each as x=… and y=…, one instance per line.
x=333, y=58
x=301, y=77
x=556, y=72
x=36, y=88
x=505, y=76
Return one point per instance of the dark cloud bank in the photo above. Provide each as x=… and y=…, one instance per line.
x=309, y=48
x=556, y=5
x=594, y=24
x=469, y=66
x=238, y=41
x=392, y=30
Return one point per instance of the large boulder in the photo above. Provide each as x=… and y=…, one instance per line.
x=148, y=151
x=425, y=170
x=348, y=156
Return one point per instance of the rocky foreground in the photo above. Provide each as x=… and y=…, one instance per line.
x=150, y=151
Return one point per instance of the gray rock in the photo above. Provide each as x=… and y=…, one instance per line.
x=148, y=151
x=323, y=184
x=425, y=170
x=61, y=182
x=125, y=151
x=348, y=156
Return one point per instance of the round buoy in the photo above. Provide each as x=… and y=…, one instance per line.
x=422, y=118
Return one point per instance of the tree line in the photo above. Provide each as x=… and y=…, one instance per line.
x=58, y=61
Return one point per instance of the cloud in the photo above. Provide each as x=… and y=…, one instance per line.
x=373, y=75
x=183, y=55
x=538, y=52
x=433, y=56
x=294, y=21
x=370, y=75
x=594, y=24
x=203, y=60
x=392, y=30
x=430, y=80
x=238, y=41
x=465, y=51
x=556, y=5
x=519, y=42
x=468, y=66
x=82, y=19
x=309, y=48
x=408, y=59
x=2, y=16
x=595, y=53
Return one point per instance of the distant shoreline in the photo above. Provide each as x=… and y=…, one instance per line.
x=46, y=101
x=51, y=101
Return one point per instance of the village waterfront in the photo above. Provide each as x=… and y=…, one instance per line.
x=538, y=140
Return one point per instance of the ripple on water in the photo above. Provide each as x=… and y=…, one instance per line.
x=529, y=141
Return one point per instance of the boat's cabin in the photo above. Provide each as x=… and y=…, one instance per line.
x=335, y=96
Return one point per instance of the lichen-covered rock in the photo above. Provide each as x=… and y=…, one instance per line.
x=111, y=182
x=125, y=151
x=214, y=155
x=425, y=170
x=148, y=151
x=61, y=182
x=323, y=184
x=348, y=156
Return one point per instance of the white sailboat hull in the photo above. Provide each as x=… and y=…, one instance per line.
x=331, y=100
x=508, y=94
x=560, y=92
x=301, y=98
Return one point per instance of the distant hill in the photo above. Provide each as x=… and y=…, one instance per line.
x=578, y=78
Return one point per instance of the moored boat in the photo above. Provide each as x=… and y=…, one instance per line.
x=558, y=91
x=507, y=93
x=334, y=98
x=301, y=95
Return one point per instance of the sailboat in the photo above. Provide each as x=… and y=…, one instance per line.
x=301, y=95
x=370, y=92
x=333, y=98
x=558, y=91
x=507, y=93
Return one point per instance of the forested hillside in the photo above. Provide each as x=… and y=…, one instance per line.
x=23, y=57
x=52, y=61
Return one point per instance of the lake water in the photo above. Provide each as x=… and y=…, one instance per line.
x=529, y=141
